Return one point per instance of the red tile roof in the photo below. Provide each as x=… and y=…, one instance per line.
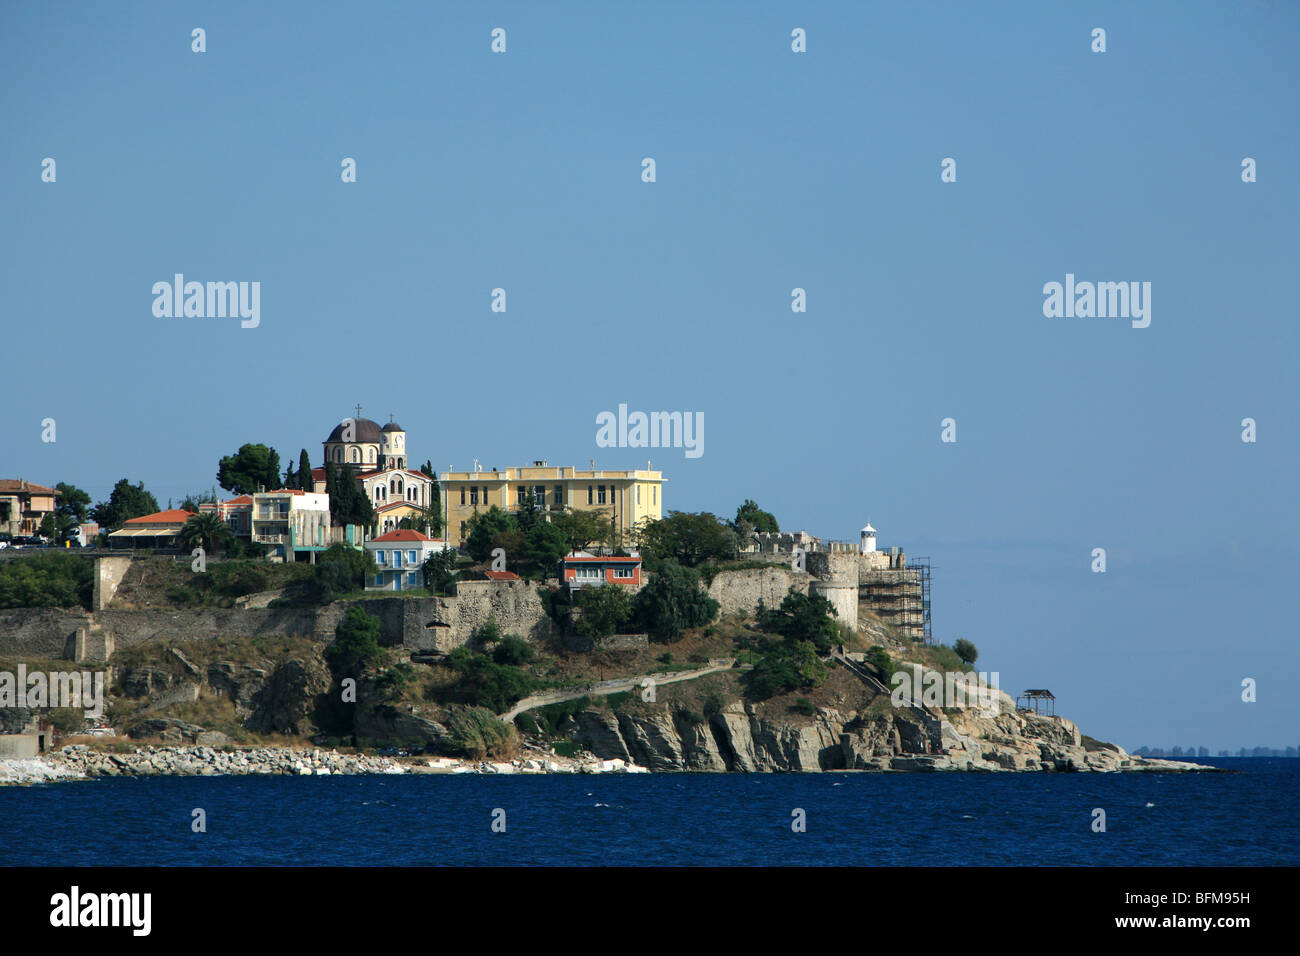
x=174, y=516
x=501, y=575
x=403, y=534
x=11, y=485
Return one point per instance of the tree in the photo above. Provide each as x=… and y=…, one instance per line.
x=529, y=514
x=544, y=545
x=72, y=510
x=348, y=503
x=605, y=609
x=440, y=571
x=581, y=528
x=126, y=501
x=758, y=519
x=966, y=650
x=49, y=527
x=673, y=601
x=483, y=527
x=783, y=666
x=689, y=538
x=356, y=642
x=803, y=617
x=305, y=481
x=192, y=502
x=253, y=468
x=205, y=531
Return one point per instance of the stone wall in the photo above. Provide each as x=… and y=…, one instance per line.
x=108, y=575
x=740, y=591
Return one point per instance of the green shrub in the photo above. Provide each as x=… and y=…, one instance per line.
x=527, y=725
x=356, y=643
x=966, y=650
x=803, y=617
x=550, y=717
x=47, y=580
x=477, y=733
x=783, y=666
x=485, y=683
x=803, y=705
x=713, y=703
x=489, y=632
x=879, y=658
x=673, y=601
x=566, y=748
x=513, y=650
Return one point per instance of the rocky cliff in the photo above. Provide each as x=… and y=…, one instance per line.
x=874, y=735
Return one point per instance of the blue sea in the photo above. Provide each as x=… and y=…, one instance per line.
x=856, y=819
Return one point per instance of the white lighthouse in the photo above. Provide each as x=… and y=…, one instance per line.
x=868, y=539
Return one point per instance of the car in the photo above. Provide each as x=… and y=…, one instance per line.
x=3, y=544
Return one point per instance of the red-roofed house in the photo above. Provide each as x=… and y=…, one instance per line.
x=581, y=568
x=158, y=530
x=23, y=505
x=400, y=555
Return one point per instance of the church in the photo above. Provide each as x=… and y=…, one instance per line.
x=377, y=454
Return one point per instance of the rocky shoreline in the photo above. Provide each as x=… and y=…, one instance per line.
x=79, y=762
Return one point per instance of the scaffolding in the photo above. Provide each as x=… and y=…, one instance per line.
x=900, y=596
x=923, y=565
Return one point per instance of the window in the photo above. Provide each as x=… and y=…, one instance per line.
x=655, y=492
x=410, y=557
x=410, y=579
x=588, y=572
x=521, y=494
x=473, y=496
x=379, y=580
x=623, y=573
x=558, y=499
x=600, y=494
x=539, y=494
x=381, y=558
x=485, y=497
x=589, y=494
x=356, y=455
x=397, y=559
x=638, y=494
x=462, y=496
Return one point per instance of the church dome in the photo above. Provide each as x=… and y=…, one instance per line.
x=393, y=427
x=366, y=431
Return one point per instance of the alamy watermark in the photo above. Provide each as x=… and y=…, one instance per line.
x=1102, y=300
x=214, y=300
x=652, y=430
x=951, y=689
x=53, y=689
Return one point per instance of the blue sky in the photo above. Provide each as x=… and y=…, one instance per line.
x=775, y=170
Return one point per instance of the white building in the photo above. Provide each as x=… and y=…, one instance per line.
x=290, y=520
x=400, y=555
x=868, y=544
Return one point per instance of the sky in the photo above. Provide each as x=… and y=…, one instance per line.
x=774, y=171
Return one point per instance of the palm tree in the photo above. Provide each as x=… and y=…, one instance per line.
x=205, y=531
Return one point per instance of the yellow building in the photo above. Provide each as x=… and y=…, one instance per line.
x=625, y=496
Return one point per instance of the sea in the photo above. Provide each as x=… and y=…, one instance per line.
x=1246, y=817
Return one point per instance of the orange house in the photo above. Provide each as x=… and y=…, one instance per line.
x=579, y=569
